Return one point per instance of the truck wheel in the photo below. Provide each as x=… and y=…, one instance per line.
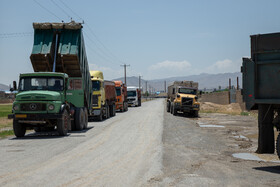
x=86, y=118
x=63, y=123
x=278, y=145
x=126, y=107
x=171, y=108
x=79, y=119
x=19, y=129
x=139, y=102
x=109, y=111
x=174, y=111
x=168, y=106
x=266, y=142
x=114, y=110
x=195, y=113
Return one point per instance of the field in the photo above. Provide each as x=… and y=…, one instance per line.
x=5, y=123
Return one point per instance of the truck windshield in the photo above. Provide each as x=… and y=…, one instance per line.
x=41, y=83
x=187, y=91
x=131, y=93
x=118, y=90
x=95, y=85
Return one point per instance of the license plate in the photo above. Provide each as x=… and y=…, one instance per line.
x=21, y=115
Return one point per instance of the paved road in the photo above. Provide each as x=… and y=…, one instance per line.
x=143, y=147
x=122, y=151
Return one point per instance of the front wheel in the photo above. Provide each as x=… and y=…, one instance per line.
x=278, y=145
x=63, y=123
x=19, y=129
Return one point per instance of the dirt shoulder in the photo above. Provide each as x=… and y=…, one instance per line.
x=198, y=152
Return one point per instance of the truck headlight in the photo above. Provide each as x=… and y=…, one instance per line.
x=51, y=107
x=16, y=107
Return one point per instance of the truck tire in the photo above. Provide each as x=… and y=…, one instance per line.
x=195, y=113
x=168, y=106
x=108, y=111
x=171, y=108
x=278, y=145
x=86, y=118
x=79, y=119
x=114, y=110
x=126, y=106
x=63, y=123
x=139, y=102
x=266, y=142
x=19, y=129
x=174, y=111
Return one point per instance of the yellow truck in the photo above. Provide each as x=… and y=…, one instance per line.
x=182, y=97
x=103, y=96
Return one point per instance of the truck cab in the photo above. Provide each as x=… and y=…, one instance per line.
x=182, y=97
x=121, y=98
x=133, y=96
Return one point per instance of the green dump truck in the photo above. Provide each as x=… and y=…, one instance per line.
x=261, y=88
x=58, y=93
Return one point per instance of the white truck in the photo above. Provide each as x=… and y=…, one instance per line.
x=133, y=96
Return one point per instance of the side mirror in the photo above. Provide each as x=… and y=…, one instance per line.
x=14, y=85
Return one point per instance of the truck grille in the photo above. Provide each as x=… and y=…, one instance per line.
x=33, y=107
x=132, y=99
x=94, y=100
x=187, y=101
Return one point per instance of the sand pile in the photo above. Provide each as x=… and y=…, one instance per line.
x=212, y=107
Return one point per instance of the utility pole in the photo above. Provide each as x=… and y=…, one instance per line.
x=140, y=81
x=165, y=86
x=125, y=65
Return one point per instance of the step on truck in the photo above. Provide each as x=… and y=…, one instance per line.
x=58, y=93
x=182, y=96
x=133, y=96
x=261, y=88
x=103, y=96
x=121, y=100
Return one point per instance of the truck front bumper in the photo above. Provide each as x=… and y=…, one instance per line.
x=96, y=112
x=35, y=116
x=185, y=108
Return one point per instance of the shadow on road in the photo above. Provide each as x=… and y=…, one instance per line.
x=271, y=169
x=50, y=135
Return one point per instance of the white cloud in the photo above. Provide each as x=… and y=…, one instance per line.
x=171, y=64
x=224, y=66
x=108, y=72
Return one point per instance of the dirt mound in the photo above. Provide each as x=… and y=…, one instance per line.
x=233, y=108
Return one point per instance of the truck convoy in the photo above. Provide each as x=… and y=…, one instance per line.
x=121, y=100
x=58, y=93
x=182, y=97
x=261, y=88
x=103, y=96
x=133, y=96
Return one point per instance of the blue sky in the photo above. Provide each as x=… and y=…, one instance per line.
x=158, y=38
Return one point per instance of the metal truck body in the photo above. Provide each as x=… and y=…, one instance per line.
x=103, y=96
x=133, y=96
x=121, y=100
x=261, y=88
x=58, y=94
x=182, y=97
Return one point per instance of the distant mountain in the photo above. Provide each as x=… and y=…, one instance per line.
x=206, y=81
x=4, y=87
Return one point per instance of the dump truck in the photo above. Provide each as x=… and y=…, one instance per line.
x=121, y=91
x=103, y=96
x=261, y=88
x=133, y=96
x=182, y=97
x=58, y=93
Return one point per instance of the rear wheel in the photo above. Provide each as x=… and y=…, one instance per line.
x=278, y=145
x=79, y=119
x=266, y=142
x=195, y=113
x=63, y=123
x=86, y=118
x=19, y=129
x=168, y=106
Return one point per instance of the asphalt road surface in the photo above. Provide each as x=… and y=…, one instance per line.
x=142, y=147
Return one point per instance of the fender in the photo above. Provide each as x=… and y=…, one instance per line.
x=64, y=106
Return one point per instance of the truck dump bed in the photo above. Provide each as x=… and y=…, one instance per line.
x=67, y=39
x=110, y=90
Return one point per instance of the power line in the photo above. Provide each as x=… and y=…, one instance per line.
x=61, y=8
x=47, y=10
x=70, y=9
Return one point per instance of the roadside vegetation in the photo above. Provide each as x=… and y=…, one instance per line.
x=5, y=123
